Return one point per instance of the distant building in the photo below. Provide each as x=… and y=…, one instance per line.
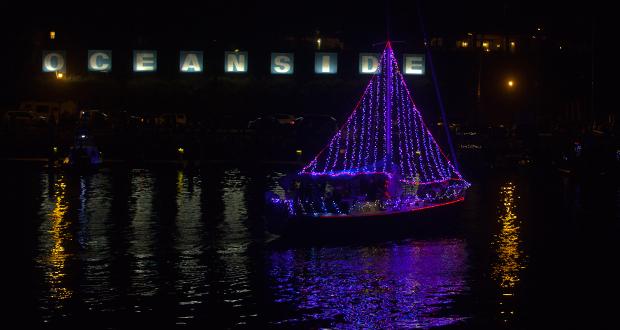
x=317, y=42
x=487, y=42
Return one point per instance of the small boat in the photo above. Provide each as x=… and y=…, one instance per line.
x=380, y=167
x=84, y=154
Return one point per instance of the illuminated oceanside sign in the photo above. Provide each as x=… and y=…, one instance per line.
x=192, y=61
x=413, y=64
x=282, y=63
x=144, y=60
x=325, y=63
x=369, y=63
x=236, y=61
x=54, y=61
x=99, y=60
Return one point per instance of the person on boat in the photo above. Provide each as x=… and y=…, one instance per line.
x=293, y=190
x=394, y=187
x=416, y=184
x=305, y=190
x=328, y=191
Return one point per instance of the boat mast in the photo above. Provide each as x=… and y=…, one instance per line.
x=446, y=126
x=388, y=106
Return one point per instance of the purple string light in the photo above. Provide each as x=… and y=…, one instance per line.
x=360, y=145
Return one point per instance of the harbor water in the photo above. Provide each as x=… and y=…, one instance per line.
x=163, y=247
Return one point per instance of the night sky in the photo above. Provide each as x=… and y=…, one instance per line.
x=354, y=21
x=262, y=26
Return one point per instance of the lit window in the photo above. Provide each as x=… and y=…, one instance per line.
x=464, y=44
x=52, y=35
x=485, y=44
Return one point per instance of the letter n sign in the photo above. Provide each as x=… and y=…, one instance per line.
x=282, y=63
x=54, y=60
x=413, y=64
x=235, y=61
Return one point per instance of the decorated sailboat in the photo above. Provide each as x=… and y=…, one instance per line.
x=382, y=162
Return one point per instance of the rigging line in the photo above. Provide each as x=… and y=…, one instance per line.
x=387, y=20
x=436, y=85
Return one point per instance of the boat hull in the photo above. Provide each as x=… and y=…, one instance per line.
x=440, y=219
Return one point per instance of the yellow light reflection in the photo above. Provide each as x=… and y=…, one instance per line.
x=180, y=177
x=60, y=235
x=506, y=271
x=511, y=259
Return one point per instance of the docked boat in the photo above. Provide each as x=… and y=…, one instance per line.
x=84, y=154
x=380, y=167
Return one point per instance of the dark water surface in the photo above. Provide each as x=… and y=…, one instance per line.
x=128, y=248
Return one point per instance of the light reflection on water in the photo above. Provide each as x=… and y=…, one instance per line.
x=273, y=183
x=232, y=250
x=511, y=259
x=141, y=238
x=191, y=285
x=55, y=235
x=404, y=285
x=181, y=247
x=93, y=237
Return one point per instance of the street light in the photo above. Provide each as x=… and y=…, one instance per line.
x=511, y=83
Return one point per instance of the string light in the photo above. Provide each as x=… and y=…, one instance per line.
x=384, y=135
x=362, y=140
